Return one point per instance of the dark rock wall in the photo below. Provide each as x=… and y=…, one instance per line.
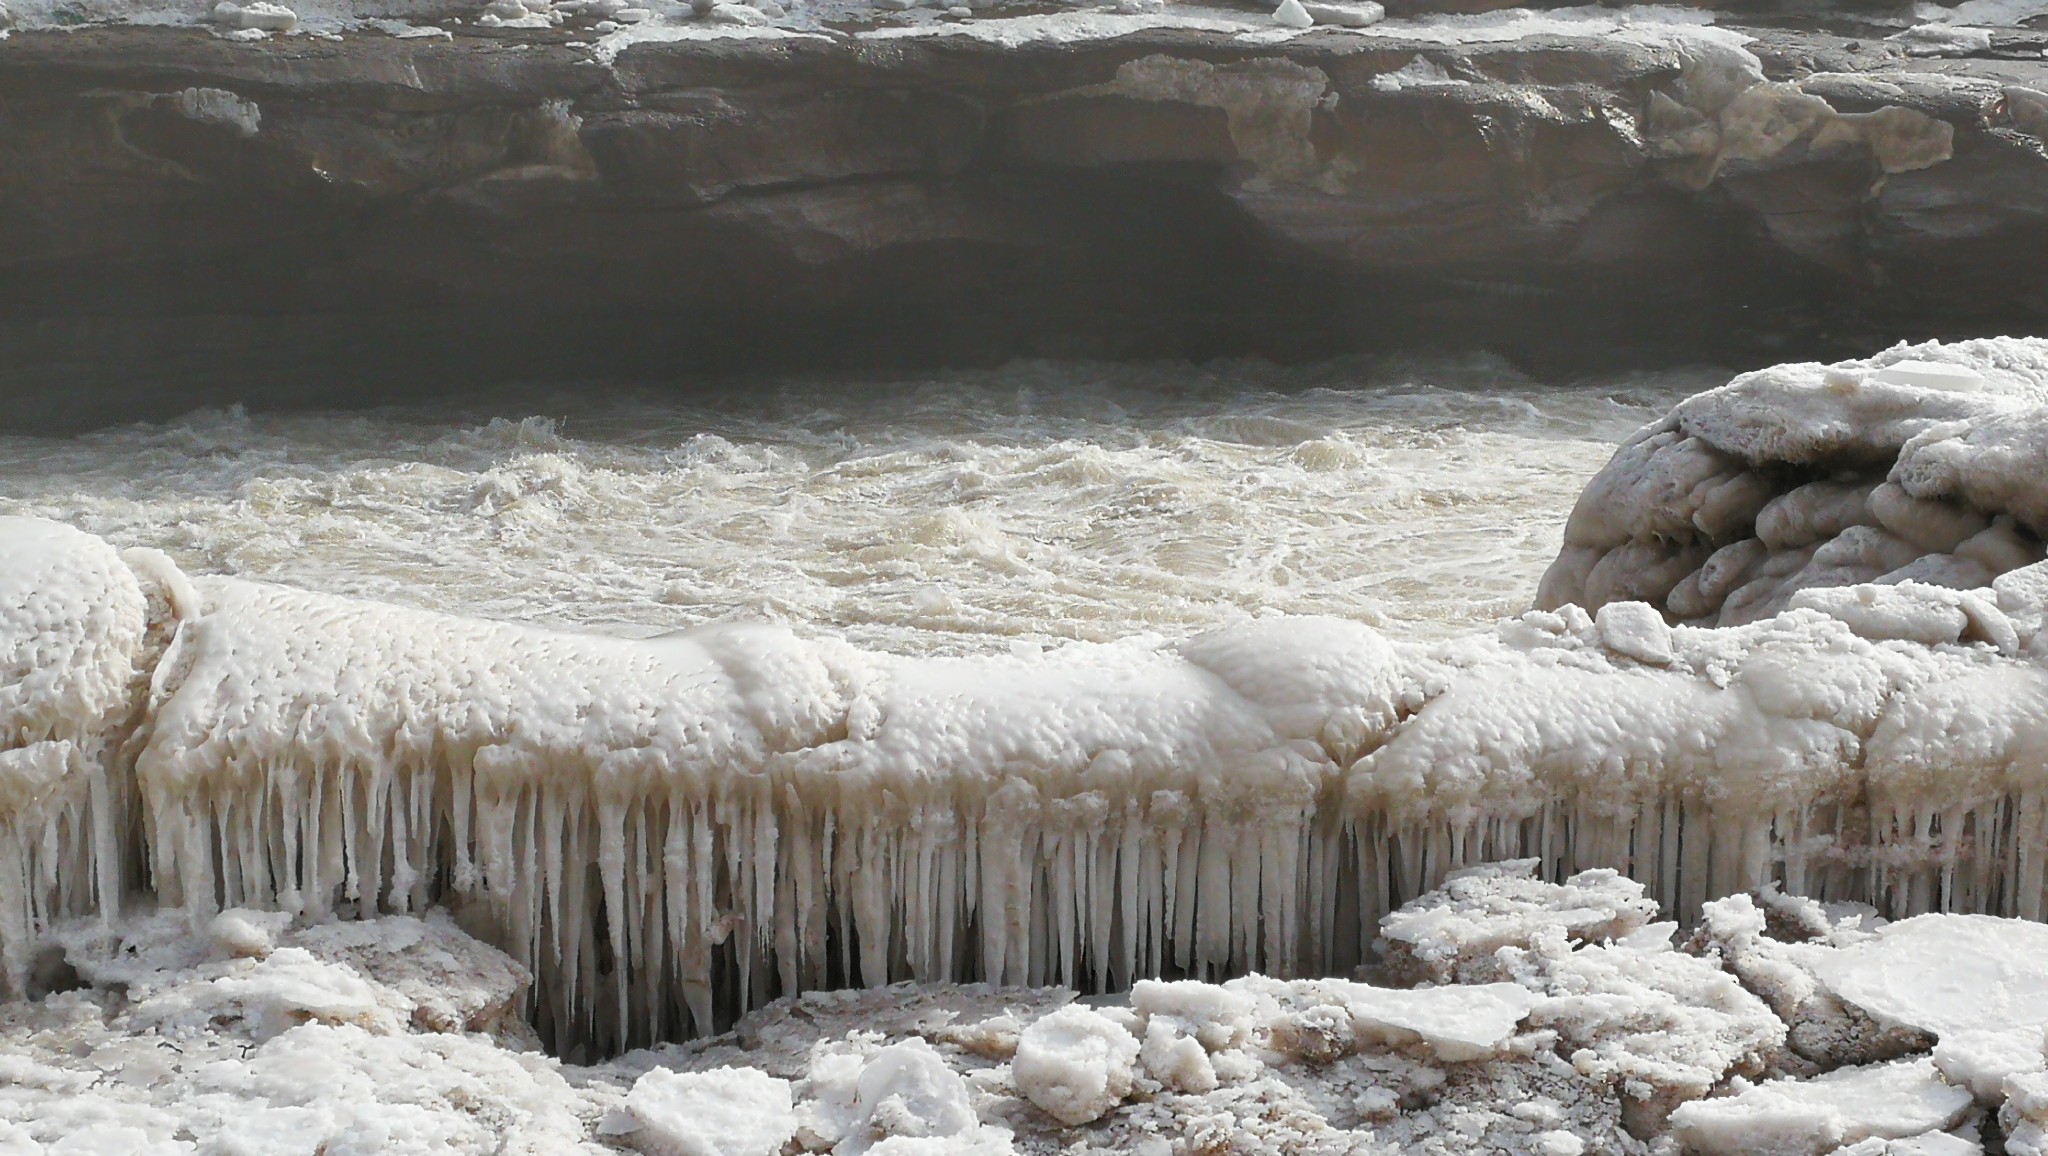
x=185, y=220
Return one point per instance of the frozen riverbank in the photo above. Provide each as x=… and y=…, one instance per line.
x=669, y=833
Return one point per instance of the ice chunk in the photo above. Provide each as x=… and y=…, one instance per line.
x=1176, y=1059
x=250, y=933
x=1635, y=630
x=1217, y=1016
x=1801, y=1117
x=722, y=1112
x=1075, y=1064
x=1908, y=611
x=1948, y=974
x=906, y=1091
x=270, y=996
x=1981, y=1060
x=736, y=14
x=1932, y=375
x=1454, y=934
x=1291, y=14
x=1456, y=1024
x=1345, y=15
x=258, y=15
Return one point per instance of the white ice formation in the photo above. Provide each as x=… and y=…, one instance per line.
x=669, y=832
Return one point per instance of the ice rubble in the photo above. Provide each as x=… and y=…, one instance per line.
x=253, y=1031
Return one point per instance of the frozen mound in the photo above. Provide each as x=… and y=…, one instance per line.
x=80, y=629
x=1921, y=465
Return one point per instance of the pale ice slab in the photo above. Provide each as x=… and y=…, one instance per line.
x=1948, y=974
x=1806, y=1118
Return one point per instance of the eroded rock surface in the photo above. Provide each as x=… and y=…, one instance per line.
x=185, y=217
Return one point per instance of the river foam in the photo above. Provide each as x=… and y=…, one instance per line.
x=962, y=513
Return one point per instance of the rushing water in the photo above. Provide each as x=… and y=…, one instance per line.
x=1029, y=504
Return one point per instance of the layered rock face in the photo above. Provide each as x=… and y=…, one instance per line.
x=188, y=219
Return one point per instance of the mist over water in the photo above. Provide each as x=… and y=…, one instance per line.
x=943, y=514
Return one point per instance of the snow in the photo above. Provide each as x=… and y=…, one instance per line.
x=722, y=1112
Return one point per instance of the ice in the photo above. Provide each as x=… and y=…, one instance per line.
x=1635, y=630
x=179, y=1044
x=1948, y=974
x=1981, y=1060
x=1076, y=1064
x=1456, y=1024
x=1291, y=14
x=722, y=1112
x=1932, y=375
x=1773, y=943
x=1901, y=1099
x=1454, y=934
x=258, y=15
x=905, y=1095
x=1345, y=15
x=80, y=629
